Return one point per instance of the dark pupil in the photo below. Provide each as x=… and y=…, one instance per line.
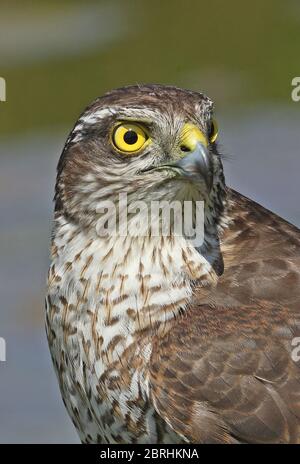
x=130, y=137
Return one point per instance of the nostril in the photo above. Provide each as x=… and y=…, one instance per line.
x=184, y=148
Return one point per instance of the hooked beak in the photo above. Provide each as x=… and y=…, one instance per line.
x=197, y=165
x=196, y=161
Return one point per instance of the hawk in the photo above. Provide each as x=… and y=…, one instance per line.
x=155, y=340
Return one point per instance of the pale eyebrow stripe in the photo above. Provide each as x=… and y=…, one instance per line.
x=135, y=119
x=94, y=116
x=142, y=113
x=124, y=113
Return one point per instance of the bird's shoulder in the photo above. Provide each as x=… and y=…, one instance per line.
x=225, y=371
x=256, y=232
x=227, y=374
x=261, y=254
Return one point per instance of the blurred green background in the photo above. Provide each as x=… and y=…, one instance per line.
x=56, y=57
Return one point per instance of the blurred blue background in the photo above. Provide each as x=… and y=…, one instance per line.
x=57, y=56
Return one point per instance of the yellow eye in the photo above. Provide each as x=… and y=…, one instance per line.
x=213, y=132
x=129, y=138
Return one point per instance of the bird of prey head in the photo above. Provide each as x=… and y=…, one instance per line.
x=152, y=142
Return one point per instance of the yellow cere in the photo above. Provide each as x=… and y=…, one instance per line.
x=129, y=137
x=191, y=135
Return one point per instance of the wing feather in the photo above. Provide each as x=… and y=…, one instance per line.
x=225, y=373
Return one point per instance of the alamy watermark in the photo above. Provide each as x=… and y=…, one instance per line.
x=152, y=218
x=2, y=99
x=296, y=350
x=2, y=89
x=2, y=349
x=296, y=89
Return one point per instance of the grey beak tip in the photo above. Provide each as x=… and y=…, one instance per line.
x=198, y=164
